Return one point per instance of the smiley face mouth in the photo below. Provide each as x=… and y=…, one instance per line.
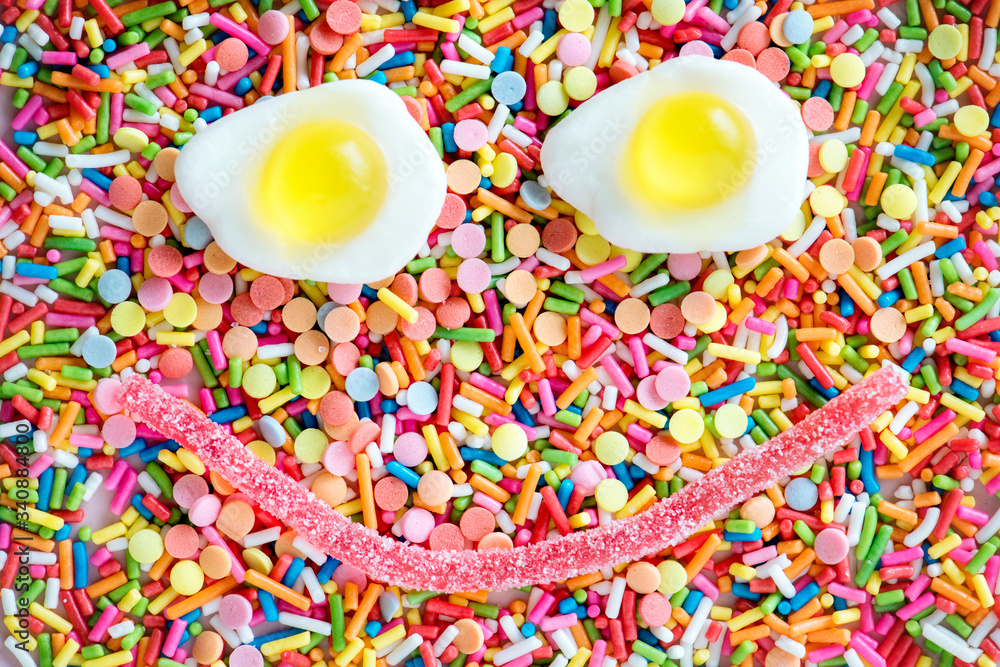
x=666, y=523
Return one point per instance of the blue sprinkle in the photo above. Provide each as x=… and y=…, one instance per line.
x=950, y=248
x=964, y=391
x=913, y=155
x=723, y=394
x=212, y=114
x=36, y=270
x=887, y=299
x=27, y=69
x=326, y=571
x=448, y=138
x=24, y=138
x=401, y=472
x=692, y=600
x=913, y=359
x=293, y=572
x=228, y=415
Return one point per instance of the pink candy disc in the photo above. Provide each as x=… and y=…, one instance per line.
x=118, y=431
x=417, y=525
x=246, y=656
x=474, y=276
x=468, y=241
x=231, y=54
x=471, y=134
x=831, y=546
x=216, y=287
x=447, y=537
x=155, y=294
x=684, y=267
x=188, y=489
x=348, y=574
x=586, y=475
x=205, y=510
x=666, y=523
x=338, y=459
x=106, y=396
x=423, y=328
x=655, y=609
x=452, y=212
x=573, y=49
x=177, y=199
x=648, y=394
x=343, y=293
x=410, y=449
x=235, y=611
x=272, y=26
x=672, y=383
x=696, y=48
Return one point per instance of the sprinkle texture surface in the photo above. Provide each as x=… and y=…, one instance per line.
x=574, y=359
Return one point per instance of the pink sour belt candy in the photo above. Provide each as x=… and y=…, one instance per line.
x=668, y=522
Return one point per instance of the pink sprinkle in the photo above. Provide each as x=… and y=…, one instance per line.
x=127, y=55
x=605, y=268
x=760, y=326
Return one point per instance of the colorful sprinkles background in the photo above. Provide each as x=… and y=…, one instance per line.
x=579, y=385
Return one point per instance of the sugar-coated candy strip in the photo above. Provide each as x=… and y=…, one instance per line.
x=668, y=522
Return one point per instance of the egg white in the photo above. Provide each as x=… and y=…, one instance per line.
x=581, y=159
x=218, y=170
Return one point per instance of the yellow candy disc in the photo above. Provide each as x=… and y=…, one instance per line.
x=580, y=83
x=509, y=442
x=730, y=421
x=315, y=382
x=576, y=15
x=668, y=12
x=826, y=201
x=945, y=42
x=128, y=318
x=611, y=495
x=552, y=98
x=592, y=249
x=847, y=70
x=146, y=546
x=673, y=577
x=310, y=445
x=181, y=311
x=259, y=381
x=187, y=577
x=971, y=120
x=899, y=201
x=466, y=355
x=611, y=448
x=833, y=155
x=686, y=426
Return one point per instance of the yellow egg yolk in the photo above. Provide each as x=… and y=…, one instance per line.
x=323, y=182
x=689, y=150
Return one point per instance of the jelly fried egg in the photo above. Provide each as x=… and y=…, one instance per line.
x=692, y=155
x=336, y=183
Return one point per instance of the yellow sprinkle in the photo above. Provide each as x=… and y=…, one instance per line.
x=403, y=309
x=428, y=20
